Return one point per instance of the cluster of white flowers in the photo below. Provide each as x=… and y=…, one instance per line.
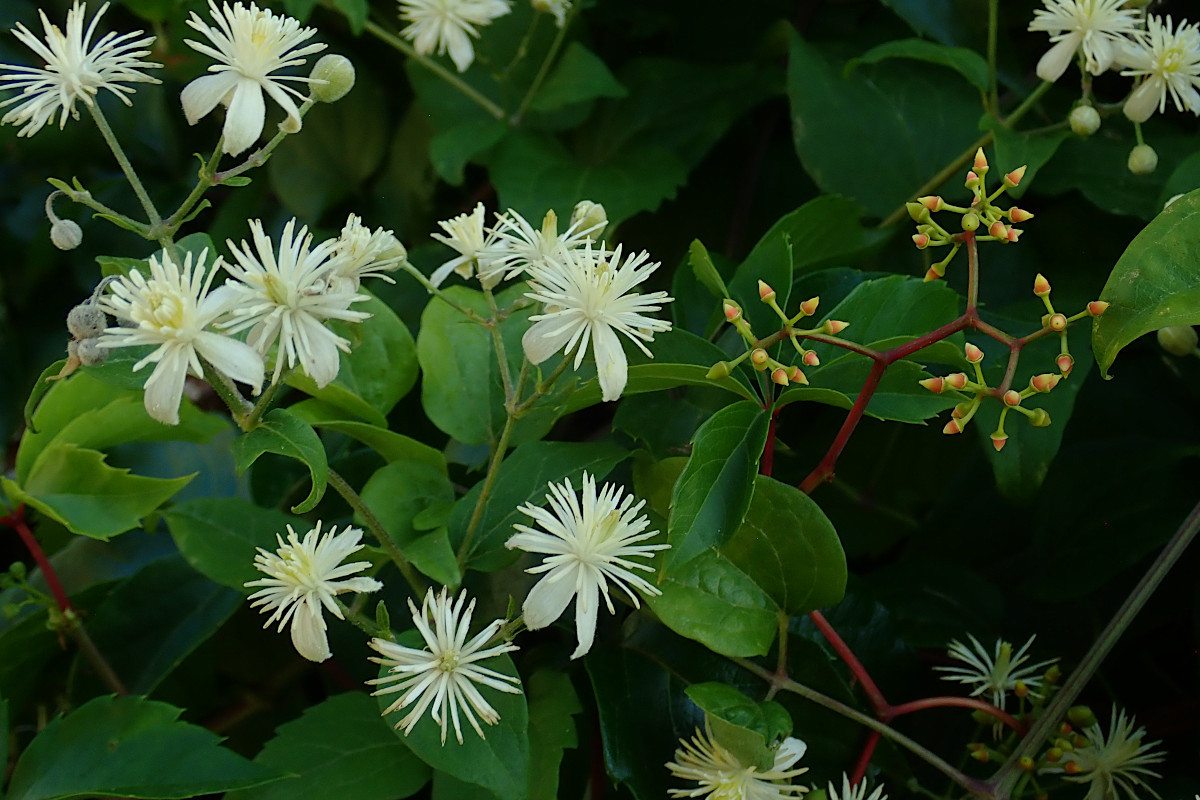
x=283, y=295
x=720, y=775
x=586, y=289
x=1164, y=57
x=996, y=673
x=1112, y=765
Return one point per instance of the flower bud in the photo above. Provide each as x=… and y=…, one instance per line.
x=1179, y=340
x=998, y=229
x=66, y=234
x=1013, y=179
x=337, y=72
x=1040, y=418
x=1081, y=717
x=1097, y=307
x=1053, y=674
x=591, y=218
x=811, y=359
x=809, y=306
x=719, y=370
x=970, y=221
x=972, y=181
x=961, y=410
x=1065, y=364
x=935, y=385
x=1054, y=755
x=779, y=375
x=765, y=292
x=932, y=201
x=1143, y=160
x=86, y=321
x=920, y=240
x=732, y=312
x=981, y=162
x=974, y=354
x=1057, y=322
x=1012, y=398
x=981, y=756
x=18, y=571
x=917, y=212
x=1041, y=286
x=1084, y=120
x=1013, y=234
x=1021, y=689
x=999, y=439
x=952, y=427
x=759, y=358
x=931, y=274
x=1019, y=215
x=956, y=380
x=1045, y=382
x=1026, y=763
x=796, y=375
x=835, y=326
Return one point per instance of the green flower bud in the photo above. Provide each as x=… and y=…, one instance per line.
x=66, y=234
x=970, y=221
x=1084, y=120
x=338, y=73
x=17, y=570
x=1143, y=160
x=1179, y=340
x=1081, y=717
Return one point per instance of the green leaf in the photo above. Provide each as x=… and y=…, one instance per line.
x=300, y=9
x=339, y=748
x=219, y=537
x=76, y=488
x=113, y=265
x=389, y=444
x=714, y=491
x=701, y=263
x=284, y=433
x=40, y=388
x=156, y=618
x=744, y=727
x=380, y=368
x=450, y=151
x=129, y=747
x=356, y=12
x=1155, y=284
x=907, y=111
x=899, y=396
x=523, y=478
x=967, y=63
x=552, y=704
x=3, y=731
x=499, y=763
x=789, y=548
x=578, y=76
x=396, y=493
x=432, y=554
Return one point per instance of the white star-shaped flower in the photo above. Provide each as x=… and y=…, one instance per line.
x=171, y=310
x=1112, y=765
x=1168, y=61
x=286, y=297
x=465, y=234
x=588, y=294
x=361, y=253
x=856, y=792
x=75, y=69
x=518, y=244
x=442, y=676
x=996, y=673
x=303, y=577
x=721, y=776
x=250, y=44
x=1097, y=27
x=586, y=545
x=449, y=25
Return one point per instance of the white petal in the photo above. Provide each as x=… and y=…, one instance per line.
x=459, y=44
x=587, y=607
x=1144, y=100
x=308, y=633
x=236, y=359
x=320, y=357
x=1054, y=63
x=245, y=118
x=164, y=387
x=202, y=95
x=539, y=346
x=547, y=600
x=611, y=366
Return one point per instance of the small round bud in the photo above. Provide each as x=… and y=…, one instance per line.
x=765, y=292
x=1057, y=322
x=732, y=312
x=338, y=74
x=1065, y=364
x=998, y=229
x=17, y=570
x=1021, y=689
x=1179, y=340
x=591, y=218
x=66, y=234
x=780, y=376
x=1040, y=419
x=1012, y=398
x=999, y=439
x=86, y=321
x=1054, y=672
x=1084, y=120
x=759, y=358
x=1081, y=717
x=90, y=353
x=1026, y=763
x=956, y=380
x=719, y=370
x=1143, y=160
x=920, y=240
x=970, y=221
x=973, y=353
x=811, y=359
x=1041, y=286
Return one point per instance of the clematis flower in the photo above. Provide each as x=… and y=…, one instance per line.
x=361, y=253
x=286, y=297
x=721, y=776
x=518, y=244
x=74, y=69
x=589, y=297
x=172, y=310
x=996, y=673
x=250, y=44
x=587, y=546
x=856, y=792
x=303, y=577
x=1167, y=61
x=441, y=677
x=449, y=25
x=1115, y=765
x=475, y=247
x=1097, y=27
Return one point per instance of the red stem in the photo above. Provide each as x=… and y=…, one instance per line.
x=16, y=520
x=959, y=702
x=864, y=758
x=768, y=456
x=878, y=701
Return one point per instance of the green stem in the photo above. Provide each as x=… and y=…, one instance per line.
x=355, y=501
x=239, y=407
x=387, y=37
x=361, y=622
x=204, y=181
x=498, y=343
x=544, y=69
x=260, y=156
x=993, y=25
x=485, y=491
x=127, y=168
x=440, y=295
x=1007, y=776
x=253, y=418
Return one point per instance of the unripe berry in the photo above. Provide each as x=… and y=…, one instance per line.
x=1143, y=160
x=759, y=358
x=66, y=234
x=1084, y=120
x=338, y=74
x=970, y=221
x=1178, y=340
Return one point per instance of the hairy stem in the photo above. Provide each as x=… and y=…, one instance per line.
x=355, y=501
x=126, y=167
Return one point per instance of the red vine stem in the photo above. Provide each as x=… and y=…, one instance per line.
x=879, y=703
x=16, y=521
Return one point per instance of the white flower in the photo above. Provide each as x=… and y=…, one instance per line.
x=466, y=235
x=856, y=792
x=442, y=676
x=74, y=70
x=303, y=578
x=362, y=253
x=588, y=296
x=1167, y=62
x=1112, y=764
x=721, y=776
x=171, y=310
x=518, y=244
x=586, y=547
x=1098, y=27
x=998, y=673
x=287, y=297
x=443, y=25
x=558, y=8
x=250, y=44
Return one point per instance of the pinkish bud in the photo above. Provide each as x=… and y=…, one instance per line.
x=759, y=358
x=779, y=375
x=1065, y=364
x=1041, y=286
x=931, y=274
x=1012, y=398
x=1019, y=215
x=835, y=326
x=998, y=229
x=920, y=240
x=1057, y=322
x=1097, y=307
x=974, y=354
x=765, y=292
x=732, y=312
x=961, y=410
x=1013, y=234
x=1044, y=382
x=952, y=427
x=935, y=385
x=809, y=306
x=810, y=358
x=956, y=380
x=972, y=180
x=981, y=162
x=796, y=375
x=998, y=440
x=1014, y=178
x=932, y=202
